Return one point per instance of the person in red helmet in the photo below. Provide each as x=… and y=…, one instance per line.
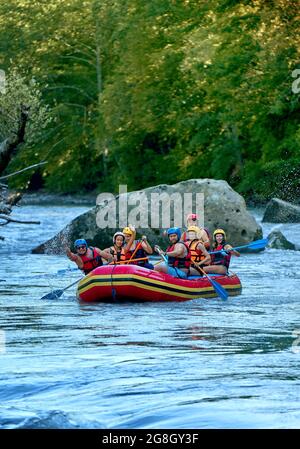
x=202, y=234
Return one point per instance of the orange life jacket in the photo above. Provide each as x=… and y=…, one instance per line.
x=196, y=254
x=120, y=255
x=185, y=238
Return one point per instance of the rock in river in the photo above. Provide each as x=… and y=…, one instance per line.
x=279, y=211
x=278, y=241
x=150, y=209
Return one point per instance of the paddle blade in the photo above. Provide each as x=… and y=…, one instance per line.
x=219, y=289
x=258, y=244
x=53, y=295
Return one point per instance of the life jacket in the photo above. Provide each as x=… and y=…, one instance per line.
x=90, y=264
x=140, y=253
x=120, y=255
x=219, y=258
x=179, y=262
x=185, y=238
x=196, y=254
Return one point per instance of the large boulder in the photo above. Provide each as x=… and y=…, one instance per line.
x=278, y=241
x=216, y=201
x=279, y=211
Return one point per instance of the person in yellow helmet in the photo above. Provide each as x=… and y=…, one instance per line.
x=138, y=249
x=197, y=249
x=202, y=234
x=220, y=261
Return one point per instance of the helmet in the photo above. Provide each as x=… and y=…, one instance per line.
x=174, y=231
x=192, y=217
x=79, y=242
x=116, y=235
x=220, y=231
x=193, y=229
x=127, y=230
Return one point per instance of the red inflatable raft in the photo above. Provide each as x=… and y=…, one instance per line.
x=133, y=283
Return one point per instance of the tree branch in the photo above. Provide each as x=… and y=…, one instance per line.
x=9, y=219
x=23, y=169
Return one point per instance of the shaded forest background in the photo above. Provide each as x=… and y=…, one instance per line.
x=148, y=92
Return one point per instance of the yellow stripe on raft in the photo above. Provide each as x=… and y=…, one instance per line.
x=146, y=279
x=148, y=287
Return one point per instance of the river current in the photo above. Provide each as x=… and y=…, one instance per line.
x=197, y=364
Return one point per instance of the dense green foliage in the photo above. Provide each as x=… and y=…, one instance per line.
x=18, y=92
x=161, y=91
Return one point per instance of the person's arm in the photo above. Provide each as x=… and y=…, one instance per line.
x=205, y=239
x=74, y=258
x=233, y=251
x=207, y=259
x=178, y=251
x=145, y=245
x=106, y=255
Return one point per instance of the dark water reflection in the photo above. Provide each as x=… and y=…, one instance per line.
x=198, y=364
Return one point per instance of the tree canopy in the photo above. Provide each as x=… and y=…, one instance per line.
x=160, y=91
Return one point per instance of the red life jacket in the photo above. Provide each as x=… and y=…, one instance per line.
x=196, y=254
x=90, y=263
x=141, y=253
x=179, y=262
x=220, y=259
x=120, y=255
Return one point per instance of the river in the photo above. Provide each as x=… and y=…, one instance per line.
x=197, y=364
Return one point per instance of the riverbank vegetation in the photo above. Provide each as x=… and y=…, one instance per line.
x=144, y=93
x=22, y=119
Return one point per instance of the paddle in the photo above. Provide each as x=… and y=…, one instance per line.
x=217, y=287
x=134, y=252
x=257, y=244
x=57, y=293
x=131, y=257
x=160, y=252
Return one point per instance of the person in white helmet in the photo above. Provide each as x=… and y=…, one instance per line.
x=117, y=249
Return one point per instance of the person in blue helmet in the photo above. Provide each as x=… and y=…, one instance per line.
x=177, y=254
x=87, y=258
